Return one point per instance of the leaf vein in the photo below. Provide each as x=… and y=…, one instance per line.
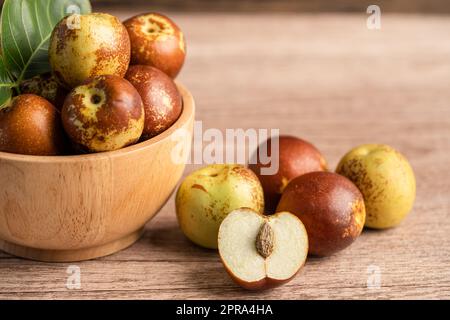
x=37, y=19
x=22, y=74
x=48, y=14
x=14, y=38
x=24, y=26
x=11, y=57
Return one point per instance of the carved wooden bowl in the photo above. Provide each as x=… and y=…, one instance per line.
x=73, y=208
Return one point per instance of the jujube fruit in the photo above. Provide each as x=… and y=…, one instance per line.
x=386, y=181
x=330, y=206
x=295, y=157
x=156, y=41
x=100, y=45
x=31, y=125
x=162, y=101
x=104, y=114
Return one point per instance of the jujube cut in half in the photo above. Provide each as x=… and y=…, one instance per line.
x=386, y=180
x=295, y=157
x=162, y=101
x=209, y=194
x=330, y=206
x=46, y=86
x=99, y=45
x=104, y=114
x=261, y=252
x=31, y=125
x=156, y=41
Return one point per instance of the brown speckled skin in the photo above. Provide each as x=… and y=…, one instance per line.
x=46, y=86
x=330, y=206
x=386, y=180
x=162, y=101
x=31, y=125
x=164, y=50
x=296, y=157
x=100, y=46
x=121, y=107
x=263, y=284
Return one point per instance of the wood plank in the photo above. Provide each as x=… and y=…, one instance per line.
x=330, y=80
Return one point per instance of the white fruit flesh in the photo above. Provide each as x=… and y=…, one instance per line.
x=237, y=236
x=291, y=246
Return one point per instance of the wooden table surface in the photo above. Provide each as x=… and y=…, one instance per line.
x=330, y=80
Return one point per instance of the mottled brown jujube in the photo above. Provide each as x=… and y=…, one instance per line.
x=104, y=114
x=31, y=125
x=295, y=157
x=330, y=206
x=47, y=86
x=156, y=41
x=98, y=44
x=162, y=101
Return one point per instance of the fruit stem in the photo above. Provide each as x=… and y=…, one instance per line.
x=16, y=87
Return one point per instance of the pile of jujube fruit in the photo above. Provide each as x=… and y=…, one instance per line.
x=111, y=86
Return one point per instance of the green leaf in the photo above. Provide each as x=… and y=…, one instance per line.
x=26, y=27
x=6, y=84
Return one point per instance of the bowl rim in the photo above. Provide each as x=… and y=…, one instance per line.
x=186, y=115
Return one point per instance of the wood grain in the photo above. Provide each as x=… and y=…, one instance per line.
x=325, y=78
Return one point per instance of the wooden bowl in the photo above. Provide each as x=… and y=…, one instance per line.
x=73, y=208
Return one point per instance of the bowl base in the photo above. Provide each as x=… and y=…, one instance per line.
x=70, y=255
